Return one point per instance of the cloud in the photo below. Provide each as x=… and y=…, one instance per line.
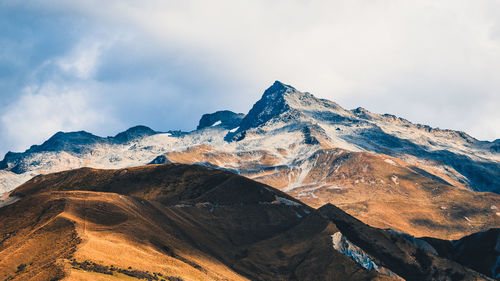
x=44, y=110
x=82, y=62
x=164, y=63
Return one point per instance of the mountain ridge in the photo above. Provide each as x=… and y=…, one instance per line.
x=313, y=149
x=277, y=87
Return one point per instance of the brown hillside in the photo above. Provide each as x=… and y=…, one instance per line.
x=165, y=222
x=380, y=190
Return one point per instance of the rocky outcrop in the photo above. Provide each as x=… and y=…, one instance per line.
x=225, y=119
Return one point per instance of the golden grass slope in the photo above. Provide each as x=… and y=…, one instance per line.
x=165, y=222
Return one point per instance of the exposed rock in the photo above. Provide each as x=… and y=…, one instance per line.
x=225, y=118
x=133, y=133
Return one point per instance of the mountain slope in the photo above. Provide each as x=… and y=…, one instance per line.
x=380, y=190
x=185, y=222
x=410, y=258
x=382, y=169
x=181, y=222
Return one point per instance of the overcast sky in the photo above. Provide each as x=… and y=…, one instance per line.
x=104, y=66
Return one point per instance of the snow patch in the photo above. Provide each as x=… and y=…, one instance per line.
x=390, y=162
x=181, y=206
x=341, y=244
x=304, y=171
x=303, y=194
x=346, y=247
x=217, y=123
x=7, y=200
x=281, y=200
x=394, y=179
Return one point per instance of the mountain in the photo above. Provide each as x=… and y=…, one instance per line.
x=224, y=118
x=282, y=107
x=281, y=104
x=398, y=251
x=76, y=143
x=383, y=170
x=188, y=222
x=479, y=251
x=132, y=134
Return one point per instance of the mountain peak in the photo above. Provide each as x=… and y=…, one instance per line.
x=278, y=87
x=224, y=118
x=133, y=133
x=282, y=103
x=271, y=104
x=68, y=141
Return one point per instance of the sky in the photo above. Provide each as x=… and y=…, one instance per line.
x=106, y=66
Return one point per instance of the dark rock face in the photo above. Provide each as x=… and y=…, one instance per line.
x=72, y=142
x=362, y=113
x=479, y=251
x=14, y=160
x=308, y=138
x=270, y=105
x=495, y=147
x=133, y=133
x=9, y=156
x=228, y=119
x=162, y=159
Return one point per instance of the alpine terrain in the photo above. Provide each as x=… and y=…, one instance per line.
x=384, y=170
x=187, y=222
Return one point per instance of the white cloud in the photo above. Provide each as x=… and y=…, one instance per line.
x=42, y=111
x=433, y=62
x=414, y=58
x=83, y=60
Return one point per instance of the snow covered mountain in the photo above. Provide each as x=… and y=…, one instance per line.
x=382, y=169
